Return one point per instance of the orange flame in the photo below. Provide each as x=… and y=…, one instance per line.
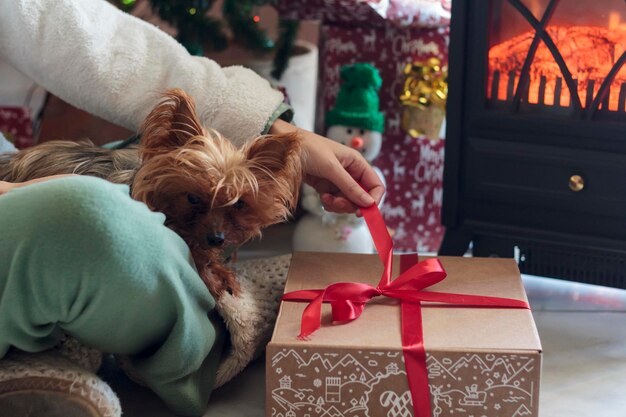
x=588, y=51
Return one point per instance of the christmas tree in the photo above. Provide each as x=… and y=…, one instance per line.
x=197, y=30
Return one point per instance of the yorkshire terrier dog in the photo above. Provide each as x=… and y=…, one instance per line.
x=212, y=194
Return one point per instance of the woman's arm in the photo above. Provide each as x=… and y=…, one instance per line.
x=81, y=257
x=113, y=65
x=5, y=186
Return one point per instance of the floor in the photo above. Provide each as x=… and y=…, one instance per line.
x=582, y=329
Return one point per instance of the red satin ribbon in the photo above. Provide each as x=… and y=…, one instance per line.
x=347, y=300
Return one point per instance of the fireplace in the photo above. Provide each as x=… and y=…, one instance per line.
x=536, y=136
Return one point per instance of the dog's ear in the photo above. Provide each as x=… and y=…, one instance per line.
x=276, y=163
x=171, y=124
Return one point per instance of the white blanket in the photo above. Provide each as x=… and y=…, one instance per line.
x=113, y=65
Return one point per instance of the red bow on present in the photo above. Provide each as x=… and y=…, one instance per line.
x=347, y=300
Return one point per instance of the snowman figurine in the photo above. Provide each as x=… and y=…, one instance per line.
x=355, y=121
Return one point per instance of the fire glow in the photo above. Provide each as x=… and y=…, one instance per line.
x=589, y=52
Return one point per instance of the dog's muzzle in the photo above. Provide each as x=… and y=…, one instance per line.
x=215, y=239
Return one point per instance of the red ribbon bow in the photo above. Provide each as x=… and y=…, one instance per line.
x=347, y=300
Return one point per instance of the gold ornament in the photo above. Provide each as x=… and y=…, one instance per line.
x=424, y=98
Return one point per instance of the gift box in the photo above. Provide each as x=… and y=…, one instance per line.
x=402, y=13
x=478, y=361
x=388, y=34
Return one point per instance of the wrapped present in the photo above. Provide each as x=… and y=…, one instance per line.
x=402, y=13
x=389, y=34
x=414, y=343
x=424, y=97
x=16, y=125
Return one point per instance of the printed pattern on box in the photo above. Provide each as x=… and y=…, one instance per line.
x=413, y=168
x=370, y=383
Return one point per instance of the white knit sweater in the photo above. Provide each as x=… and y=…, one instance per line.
x=113, y=65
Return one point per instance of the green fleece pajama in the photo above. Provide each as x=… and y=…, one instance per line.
x=79, y=256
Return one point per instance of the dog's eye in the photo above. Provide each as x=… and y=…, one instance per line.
x=239, y=204
x=193, y=199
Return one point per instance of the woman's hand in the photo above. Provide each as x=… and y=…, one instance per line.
x=5, y=186
x=335, y=172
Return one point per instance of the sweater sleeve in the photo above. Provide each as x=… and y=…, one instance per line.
x=113, y=65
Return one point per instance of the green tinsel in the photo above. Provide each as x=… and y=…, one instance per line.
x=240, y=14
x=288, y=31
x=196, y=30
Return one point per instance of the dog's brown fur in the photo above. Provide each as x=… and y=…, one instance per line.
x=202, y=183
x=65, y=157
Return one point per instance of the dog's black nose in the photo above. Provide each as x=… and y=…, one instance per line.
x=215, y=239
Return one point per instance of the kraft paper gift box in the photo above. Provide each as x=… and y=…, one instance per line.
x=480, y=361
